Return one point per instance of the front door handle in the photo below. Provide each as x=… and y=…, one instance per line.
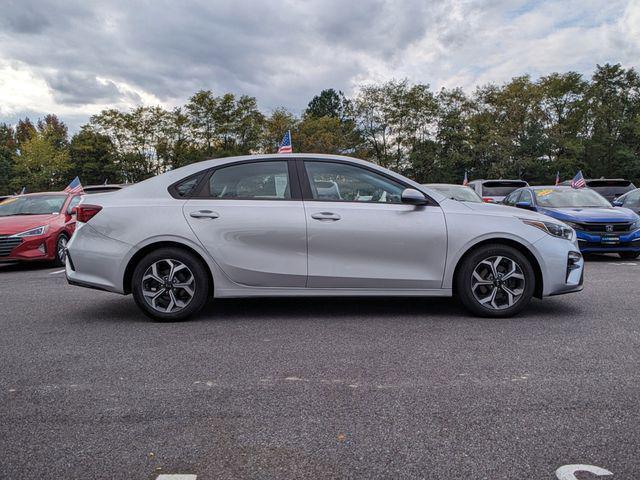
x=204, y=214
x=326, y=216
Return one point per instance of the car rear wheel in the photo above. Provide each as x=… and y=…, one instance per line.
x=629, y=255
x=170, y=284
x=61, y=250
x=495, y=281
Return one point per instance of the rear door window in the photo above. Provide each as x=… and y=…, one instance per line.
x=251, y=181
x=501, y=188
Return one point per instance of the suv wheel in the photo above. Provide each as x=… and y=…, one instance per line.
x=495, y=281
x=170, y=284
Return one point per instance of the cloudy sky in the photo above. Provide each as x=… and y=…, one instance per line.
x=75, y=58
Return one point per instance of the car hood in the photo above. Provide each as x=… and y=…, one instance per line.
x=594, y=214
x=504, y=211
x=21, y=223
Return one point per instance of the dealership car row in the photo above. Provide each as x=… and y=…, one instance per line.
x=306, y=224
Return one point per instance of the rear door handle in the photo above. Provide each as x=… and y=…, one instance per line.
x=204, y=214
x=326, y=216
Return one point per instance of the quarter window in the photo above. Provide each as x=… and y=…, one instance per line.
x=254, y=181
x=348, y=183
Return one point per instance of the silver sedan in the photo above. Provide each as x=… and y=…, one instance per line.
x=312, y=225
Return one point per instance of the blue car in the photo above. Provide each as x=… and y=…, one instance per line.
x=600, y=227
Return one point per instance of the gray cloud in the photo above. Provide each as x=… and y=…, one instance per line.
x=282, y=52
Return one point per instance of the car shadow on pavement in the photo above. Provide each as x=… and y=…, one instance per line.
x=26, y=266
x=393, y=309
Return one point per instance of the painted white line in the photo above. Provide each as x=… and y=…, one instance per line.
x=624, y=264
x=567, y=472
x=176, y=476
x=56, y=272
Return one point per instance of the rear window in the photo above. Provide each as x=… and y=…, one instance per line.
x=501, y=188
x=611, y=188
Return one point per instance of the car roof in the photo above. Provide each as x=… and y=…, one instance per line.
x=443, y=185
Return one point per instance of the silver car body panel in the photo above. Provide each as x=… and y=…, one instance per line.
x=275, y=248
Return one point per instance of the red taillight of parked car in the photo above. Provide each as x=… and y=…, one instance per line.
x=84, y=213
x=487, y=200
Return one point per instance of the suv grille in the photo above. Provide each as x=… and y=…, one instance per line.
x=602, y=227
x=7, y=244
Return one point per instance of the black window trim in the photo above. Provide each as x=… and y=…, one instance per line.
x=201, y=193
x=307, y=193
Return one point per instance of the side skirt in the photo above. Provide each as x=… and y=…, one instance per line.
x=327, y=292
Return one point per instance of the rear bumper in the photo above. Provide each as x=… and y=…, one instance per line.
x=94, y=260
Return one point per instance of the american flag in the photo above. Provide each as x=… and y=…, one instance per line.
x=557, y=179
x=285, y=145
x=578, y=181
x=465, y=182
x=74, y=187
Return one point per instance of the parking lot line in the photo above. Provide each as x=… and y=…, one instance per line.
x=176, y=476
x=56, y=272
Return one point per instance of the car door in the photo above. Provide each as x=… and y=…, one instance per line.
x=249, y=216
x=360, y=235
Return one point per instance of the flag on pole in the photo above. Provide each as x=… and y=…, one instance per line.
x=465, y=182
x=74, y=187
x=285, y=145
x=578, y=181
x=558, y=178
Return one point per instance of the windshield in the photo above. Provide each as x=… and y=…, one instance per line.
x=457, y=192
x=570, y=198
x=501, y=188
x=32, y=205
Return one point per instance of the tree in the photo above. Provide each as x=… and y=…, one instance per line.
x=91, y=157
x=328, y=103
x=41, y=166
x=8, y=149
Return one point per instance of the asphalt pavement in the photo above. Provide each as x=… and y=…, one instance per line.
x=321, y=388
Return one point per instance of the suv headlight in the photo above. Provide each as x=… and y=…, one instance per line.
x=553, y=229
x=635, y=225
x=33, y=232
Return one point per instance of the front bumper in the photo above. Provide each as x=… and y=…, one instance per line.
x=602, y=243
x=27, y=249
x=561, y=264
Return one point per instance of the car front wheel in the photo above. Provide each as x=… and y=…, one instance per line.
x=61, y=250
x=170, y=284
x=495, y=281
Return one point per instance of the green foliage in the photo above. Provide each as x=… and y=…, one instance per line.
x=524, y=128
x=40, y=166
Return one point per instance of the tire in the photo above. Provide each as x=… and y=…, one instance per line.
x=188, y=286
x=61, y=245
x=513, y=292
x=629, y=255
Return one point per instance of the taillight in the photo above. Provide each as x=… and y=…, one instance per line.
x=84, y=213
x=487, y=199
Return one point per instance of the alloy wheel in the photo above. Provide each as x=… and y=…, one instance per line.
x=498, y=282
x=168, y=285
x=61, y=248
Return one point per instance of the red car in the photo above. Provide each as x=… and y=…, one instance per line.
x=37, y=226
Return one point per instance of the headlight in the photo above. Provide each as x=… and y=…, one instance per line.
x=552, y=229
x=635, y=225
x=575, y=226
x=33, y=232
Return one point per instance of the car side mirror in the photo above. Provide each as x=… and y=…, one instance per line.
x=411, y=196
x=73, y=211
x=617, y=203
x=525, y=205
